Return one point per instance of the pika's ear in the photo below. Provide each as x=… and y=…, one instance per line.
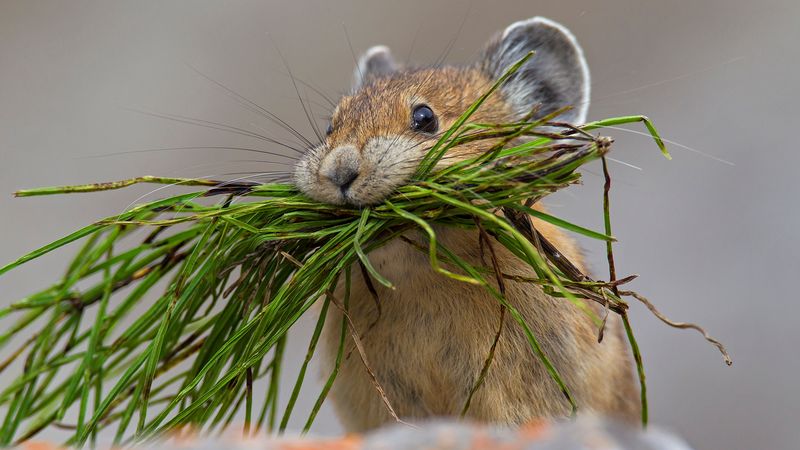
x=375, y=63
x=556, y=75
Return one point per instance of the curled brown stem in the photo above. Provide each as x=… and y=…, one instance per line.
x=680, y=325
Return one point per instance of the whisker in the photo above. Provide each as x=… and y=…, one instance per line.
x=256, y=172
x=413, y=44
x=318, y=92
x=452, y=43
x=149, y=150
x=352, y=51
x=677, y=144
x=671, y=80
x=299, y=96
x=312, y=102
x=160, y=188
x=300, y=150
x=599, y=100
x=221, y=185
x=215, y=126
x=310, y=116
x=260, y=161
x=210, y=176
x=623, y=163
x=255, y=107
x=230, y=161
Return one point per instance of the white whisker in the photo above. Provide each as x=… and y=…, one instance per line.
x=670, y=80
x=623, y=163
x=677, y=144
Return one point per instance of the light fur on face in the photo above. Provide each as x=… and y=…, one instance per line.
x=384, y=163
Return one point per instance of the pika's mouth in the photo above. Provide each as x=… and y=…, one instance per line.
x=347, y=175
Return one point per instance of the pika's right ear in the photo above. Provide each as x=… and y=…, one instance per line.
x=375, y=63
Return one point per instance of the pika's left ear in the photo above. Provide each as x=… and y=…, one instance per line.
x=375, y=63
x=556, y=76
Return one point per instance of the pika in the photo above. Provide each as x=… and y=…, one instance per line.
x=433, y=334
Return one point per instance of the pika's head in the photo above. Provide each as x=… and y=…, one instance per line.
x=380, y=132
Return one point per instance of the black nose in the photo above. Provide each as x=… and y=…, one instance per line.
x=344, y=177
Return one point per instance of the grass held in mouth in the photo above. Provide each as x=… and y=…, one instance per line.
x=220, y=275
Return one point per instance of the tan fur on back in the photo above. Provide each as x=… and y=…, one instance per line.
x=434, y=334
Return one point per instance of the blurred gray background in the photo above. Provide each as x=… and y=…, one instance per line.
x=714, y=243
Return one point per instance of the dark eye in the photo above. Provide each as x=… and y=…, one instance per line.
x=423, y=119
x=329, y=130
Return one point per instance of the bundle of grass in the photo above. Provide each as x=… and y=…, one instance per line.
x=239, y=274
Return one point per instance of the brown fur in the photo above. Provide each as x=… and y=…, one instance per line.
x=433, y=335
x=451, y=90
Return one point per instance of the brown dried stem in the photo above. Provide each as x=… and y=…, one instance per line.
x=680, y=325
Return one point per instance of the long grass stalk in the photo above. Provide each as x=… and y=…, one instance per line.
x=234, y=277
